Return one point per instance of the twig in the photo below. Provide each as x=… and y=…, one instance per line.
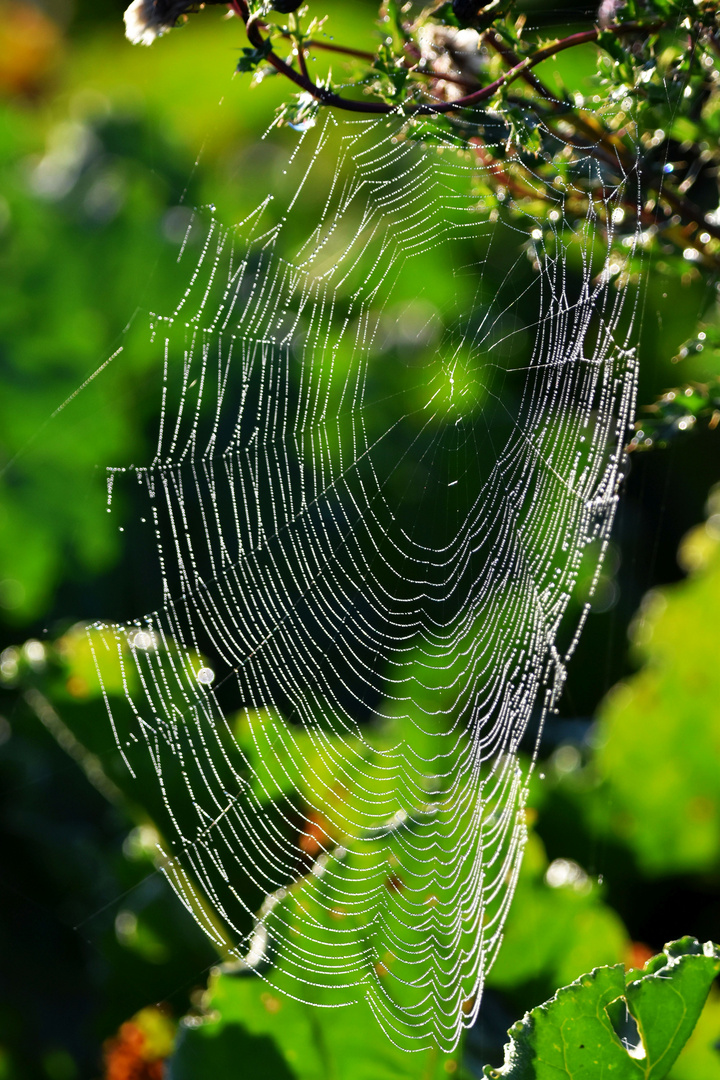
x=326, y=46
x=520, y=69
x=511, y=57
x=327, y=97
x=301, y=60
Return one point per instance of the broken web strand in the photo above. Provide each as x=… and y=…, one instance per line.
x=378, y=570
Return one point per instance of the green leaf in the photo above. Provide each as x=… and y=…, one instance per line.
x=299, y=112
x=394, y=11
x=446, y=16
x=611, y=44
x=677, y=412
x=608, y=1022
x=524, y=131
x=395, y=74
x=250, y=58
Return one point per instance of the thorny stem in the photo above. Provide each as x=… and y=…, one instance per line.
x=321, y=93
x=520, y=68
x=328, y=97
x=511, y=57
x=523, y=67
x=326, y=46
x=301, y=60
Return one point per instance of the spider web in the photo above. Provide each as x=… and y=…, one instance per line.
x=391, y=420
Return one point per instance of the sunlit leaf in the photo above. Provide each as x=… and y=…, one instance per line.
x=629, y=1026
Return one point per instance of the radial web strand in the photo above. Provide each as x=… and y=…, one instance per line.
x=390, y=438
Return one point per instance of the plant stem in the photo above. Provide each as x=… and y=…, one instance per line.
x=511, y=57
x=327, y=97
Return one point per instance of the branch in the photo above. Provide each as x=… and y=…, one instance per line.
x=511, y=57
x=520, y=69
x=328, y=97
x=689, y=210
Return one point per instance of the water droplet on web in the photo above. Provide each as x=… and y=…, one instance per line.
x=205, y=676
x=143, y=640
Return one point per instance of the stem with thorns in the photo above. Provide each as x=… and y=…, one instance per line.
x=328, y=97
x=519, y=68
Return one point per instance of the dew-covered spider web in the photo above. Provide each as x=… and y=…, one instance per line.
x=392, y=410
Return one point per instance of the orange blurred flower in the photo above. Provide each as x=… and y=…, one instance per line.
x=30, y=48
x=139, y=1049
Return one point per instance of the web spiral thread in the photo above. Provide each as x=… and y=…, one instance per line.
x=390, y=438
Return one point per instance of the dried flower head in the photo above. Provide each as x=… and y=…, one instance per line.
x=147, y=19
x=608, y=10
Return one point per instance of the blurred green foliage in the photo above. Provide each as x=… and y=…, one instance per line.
x=99, y=172
x=276, y=1036
x=672, y=819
